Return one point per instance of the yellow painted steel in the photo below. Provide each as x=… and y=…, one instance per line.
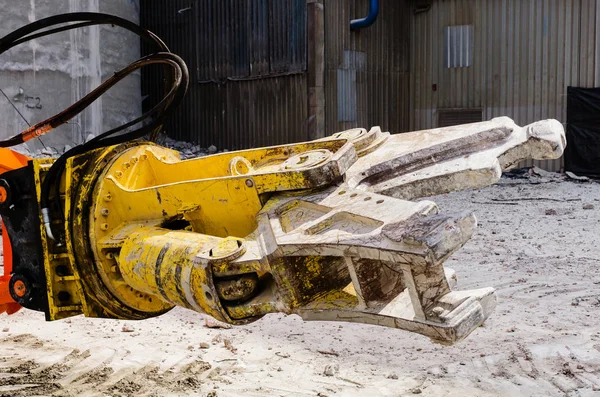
x=278, y=168
x=62, y=280
x=133, y=194
x=167, y=264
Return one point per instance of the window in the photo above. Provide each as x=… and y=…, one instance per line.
x=458, y=46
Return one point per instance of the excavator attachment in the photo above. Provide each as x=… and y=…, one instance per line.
x=9, y=160
x=322, y=229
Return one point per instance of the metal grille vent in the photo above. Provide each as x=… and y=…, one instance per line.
x=450, y=117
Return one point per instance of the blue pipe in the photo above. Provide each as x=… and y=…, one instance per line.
x=369, y=20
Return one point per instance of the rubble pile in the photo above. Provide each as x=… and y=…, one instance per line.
x=188, y=150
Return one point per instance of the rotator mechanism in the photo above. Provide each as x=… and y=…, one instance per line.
x=321, y=229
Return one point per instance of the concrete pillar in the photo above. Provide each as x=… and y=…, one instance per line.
x=43, y=77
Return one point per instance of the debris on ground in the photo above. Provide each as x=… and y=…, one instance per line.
x=210, y=322
x=574, y=177
x=187, y=150
x=329, y=352
x=331, y=370
x=227, y=344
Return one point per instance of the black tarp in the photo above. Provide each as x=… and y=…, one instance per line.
x=582, y=155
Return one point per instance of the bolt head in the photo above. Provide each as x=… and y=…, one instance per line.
x=438, y=311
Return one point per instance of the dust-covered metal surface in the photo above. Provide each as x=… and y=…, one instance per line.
x=321, y=229
x=430, y=162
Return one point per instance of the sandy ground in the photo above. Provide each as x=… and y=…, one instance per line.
x=540, y=251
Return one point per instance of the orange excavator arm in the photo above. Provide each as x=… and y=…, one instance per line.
x=9, y=160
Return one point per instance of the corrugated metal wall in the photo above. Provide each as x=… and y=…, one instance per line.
x=525, y=55
x=250, y=38
x=367, y=72
x=247, y=61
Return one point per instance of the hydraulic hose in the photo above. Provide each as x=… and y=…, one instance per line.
x=177, y=72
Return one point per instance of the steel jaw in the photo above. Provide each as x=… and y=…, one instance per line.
x=387, y=257
x=356, y=252
x=322, y=229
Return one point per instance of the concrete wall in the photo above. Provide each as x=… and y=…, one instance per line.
x=45, y=76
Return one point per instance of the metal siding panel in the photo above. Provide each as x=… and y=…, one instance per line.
x=511, y=54
x=503, y=42
x=583, y=48
x=525, y=55
x=219, y=39
x=596, y=17
x=259, y=64
x=382, y=85
x=451, y=117
x=262, y=37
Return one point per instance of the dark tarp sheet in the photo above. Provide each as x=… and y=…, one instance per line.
x=582, y=155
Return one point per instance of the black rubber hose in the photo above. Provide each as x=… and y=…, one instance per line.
x=161, y=110
x=179, y=75
x=28, y=32
x=15, y=37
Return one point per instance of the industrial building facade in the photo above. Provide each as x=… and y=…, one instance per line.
x=275, y=71
x=522, y=56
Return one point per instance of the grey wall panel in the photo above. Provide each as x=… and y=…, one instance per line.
x=371, y=64
x=526, y=53
x=234, y=47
